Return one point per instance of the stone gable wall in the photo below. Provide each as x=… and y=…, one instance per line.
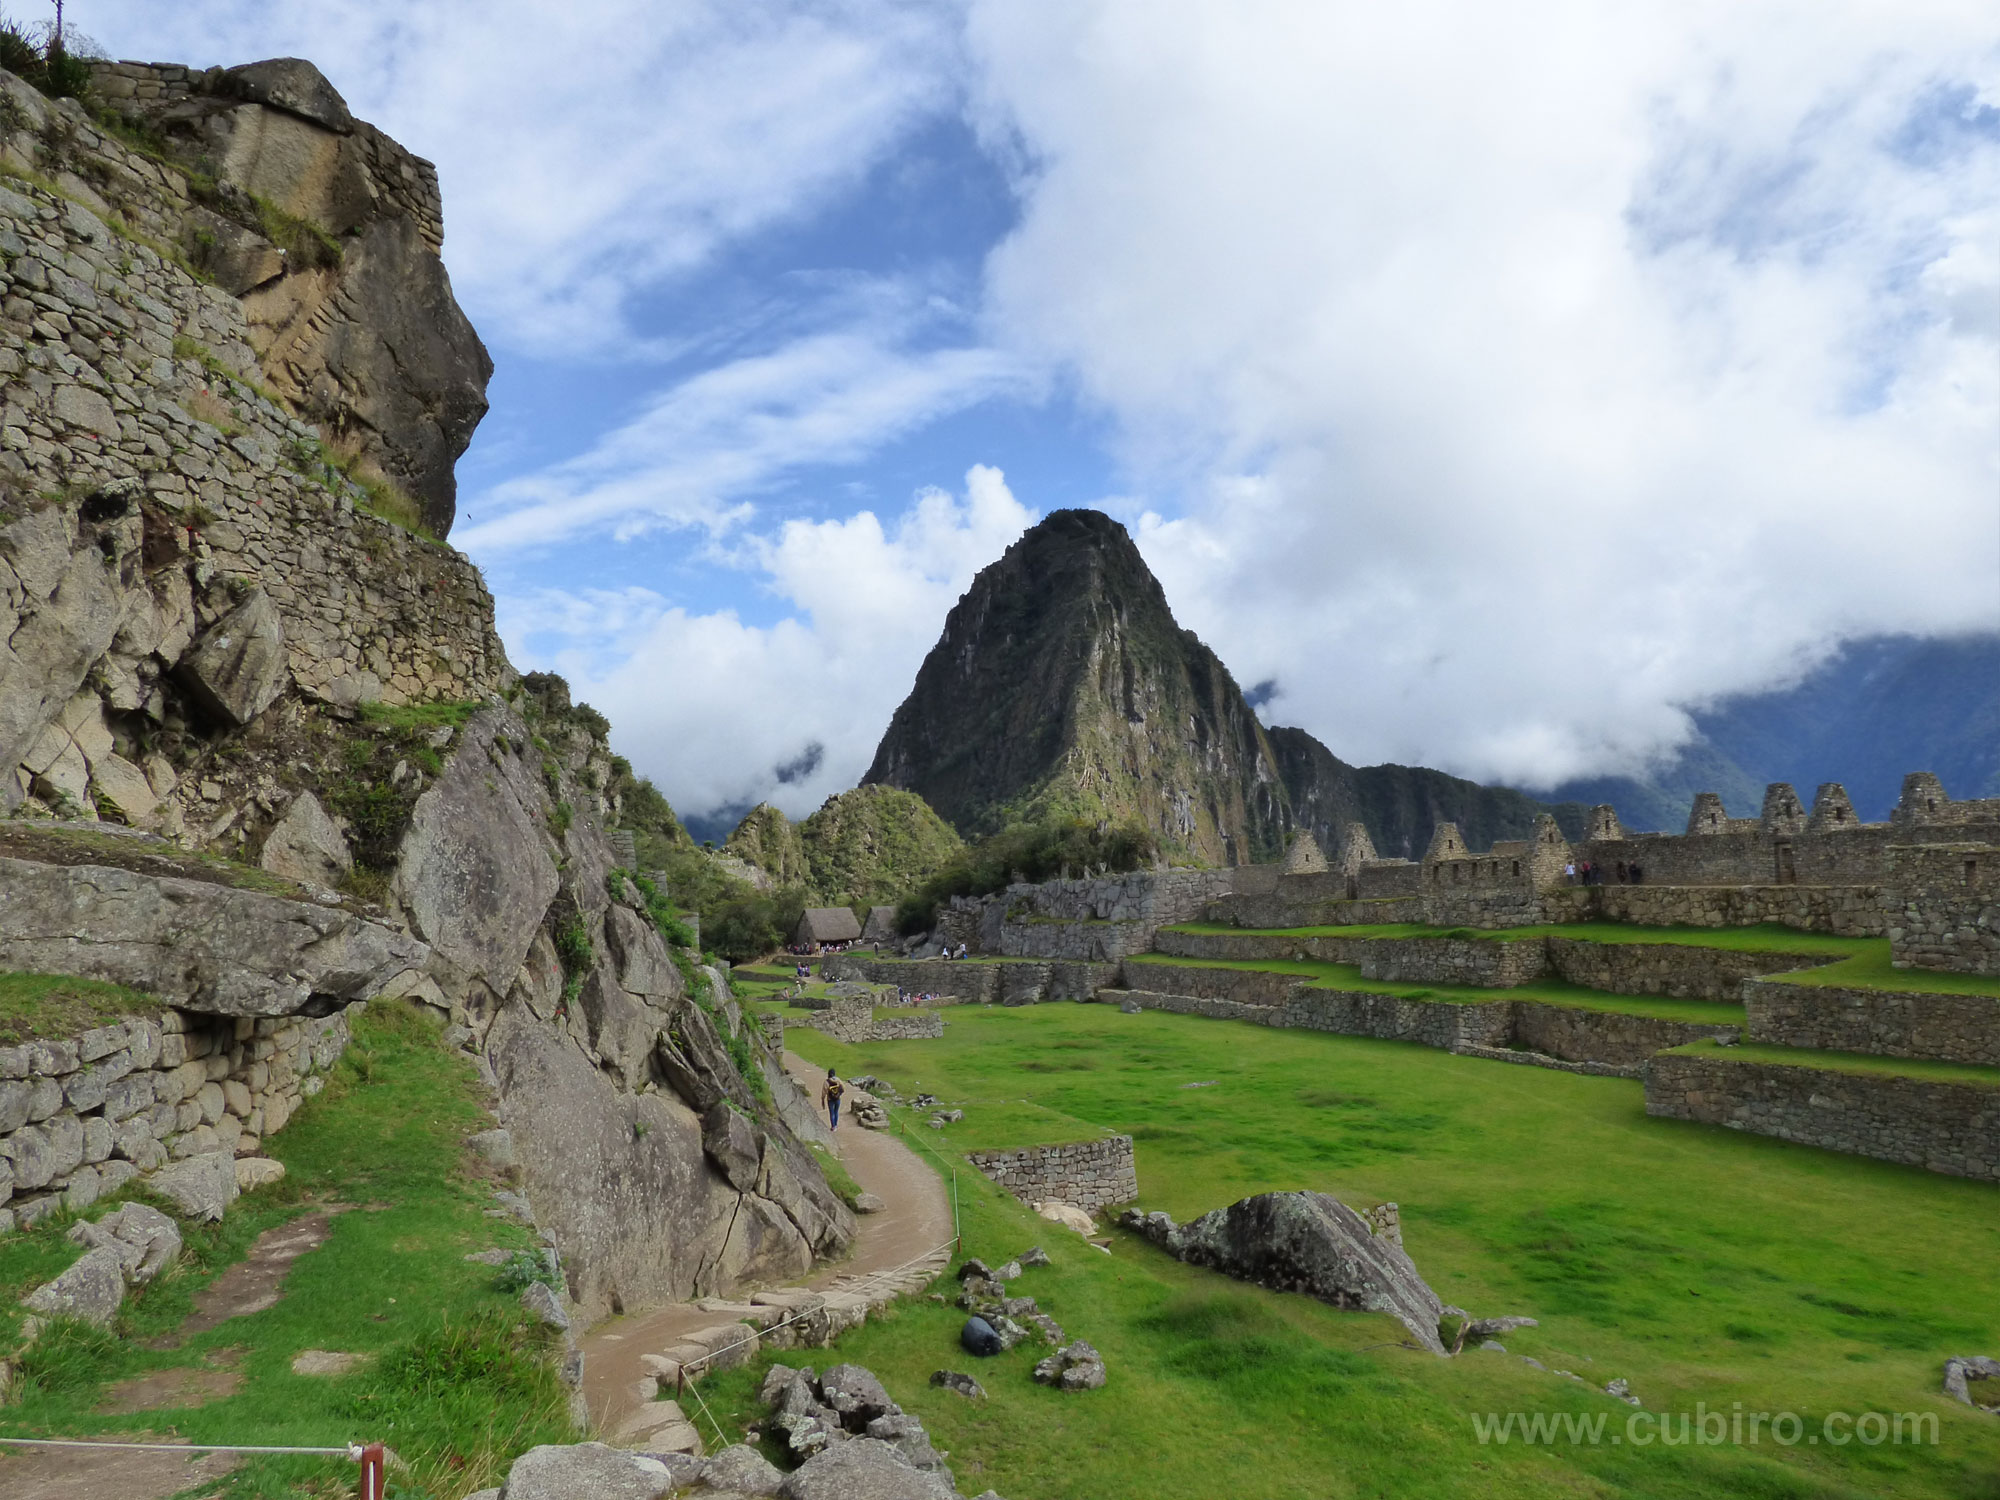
x=1945, y=907
x=1089, y=1175
x=1890, y=1023
x=1952, y=1128
x=85, y=1115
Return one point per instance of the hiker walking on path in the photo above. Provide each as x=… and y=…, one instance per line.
x=830, y=1097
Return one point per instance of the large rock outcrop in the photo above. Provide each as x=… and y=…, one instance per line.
x=1305, y=1242
x=202, y=945
x=329, y=232
x=661, y=1168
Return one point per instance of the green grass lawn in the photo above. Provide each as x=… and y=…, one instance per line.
x=1553, y=991
x=1766, y=937
x=1703, y=1265
x=1870, y=969
x=1920, y=1068
x=454, y=1382
x=56, y=1005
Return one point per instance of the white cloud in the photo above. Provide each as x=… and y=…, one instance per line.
x=1514, y=374
x=591, y=149
x=699, y=451
x=709, y=706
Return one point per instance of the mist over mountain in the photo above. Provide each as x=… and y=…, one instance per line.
x=1877, y=709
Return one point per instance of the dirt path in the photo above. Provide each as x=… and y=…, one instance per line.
x=918, y=1218
x=75, y=1473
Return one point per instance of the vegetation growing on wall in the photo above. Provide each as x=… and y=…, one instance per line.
x=1046, y=850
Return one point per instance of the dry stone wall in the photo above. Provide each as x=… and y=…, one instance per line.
x=1844, y=910
x=1679, y=970
x=83, y=1116
x=975, y=982
x=1945, y=907
x=853, y=1020
x=1952, y=1128
x=1089, y=1175
x=1891, y=1023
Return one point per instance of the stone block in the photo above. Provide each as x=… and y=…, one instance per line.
x=209, y=1099
x=97, y=1139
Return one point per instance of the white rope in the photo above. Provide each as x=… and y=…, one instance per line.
x=352, y=1450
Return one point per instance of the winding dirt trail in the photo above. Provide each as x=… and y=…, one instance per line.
x=917, y=1219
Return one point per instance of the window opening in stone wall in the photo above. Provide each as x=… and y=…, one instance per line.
x=1517, y=867
x=1971, y=868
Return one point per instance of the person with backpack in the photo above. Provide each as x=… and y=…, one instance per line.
x=829, y=1095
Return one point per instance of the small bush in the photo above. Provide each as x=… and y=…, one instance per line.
x=522, y=1270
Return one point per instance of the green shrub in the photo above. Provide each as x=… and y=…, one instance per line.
x=1034, y=852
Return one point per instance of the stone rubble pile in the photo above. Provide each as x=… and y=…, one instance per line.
x=1969, y=1367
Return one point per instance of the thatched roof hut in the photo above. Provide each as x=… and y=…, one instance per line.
x=827, y=924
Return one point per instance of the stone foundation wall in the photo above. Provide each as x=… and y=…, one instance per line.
x=1945, y=904
x=1891, y=1023
x=1485, y=964
x=855, y=1021
x=1675, y=969
x=973, y=983
x=1523, y=1028
x=1844, y=910
x=1944, y=1127
x=1247, y=986
x=83, y=1116
x=1087, y=1174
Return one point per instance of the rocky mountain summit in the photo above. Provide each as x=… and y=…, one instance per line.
x=1063, y=687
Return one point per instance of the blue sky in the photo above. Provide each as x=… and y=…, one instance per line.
x=1494, y=382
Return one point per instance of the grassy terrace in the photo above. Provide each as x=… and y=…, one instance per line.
x=452, y=1377
x=1921, y=1069
x=1703, y=1265
x=1330, y=976
x=1766, y=937
x=1870, y=969
x=54, y=1005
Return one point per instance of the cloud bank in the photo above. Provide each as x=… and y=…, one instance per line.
x=1499, y=379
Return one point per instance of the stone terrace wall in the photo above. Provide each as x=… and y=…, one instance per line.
x=1676, y=969
x=1026, y=982
x=1944, y=902
x=1249, y=986
x=95, y=391
x=83, y=1116
x=1524, y=1029
x=1087, y=1174
x=1945, y=1127
x=1892, y=1023
x=1485, y=964
x=854, y=1020
x=1845, y=911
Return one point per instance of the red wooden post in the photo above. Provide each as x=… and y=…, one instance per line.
x=372, y=1479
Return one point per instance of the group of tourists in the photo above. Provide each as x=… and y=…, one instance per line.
x=947, y=952
x=1591, y=873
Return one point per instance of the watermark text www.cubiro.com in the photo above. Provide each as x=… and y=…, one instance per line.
x=1703, y=1427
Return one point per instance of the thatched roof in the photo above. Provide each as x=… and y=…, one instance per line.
x=827, y=924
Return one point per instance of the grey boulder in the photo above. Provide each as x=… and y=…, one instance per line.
x=1305, y=1242
x=201, y=1187
x=307, y=845
x=207, y=947
x=238, y=666
x=90, y=1290
x=1076, y=1367
x=145, y=1240
x=862, y=1469
x=1967, y=1367
x=741, y=1470
x=580, y=1470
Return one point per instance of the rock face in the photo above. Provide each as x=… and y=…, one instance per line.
x=662, y=1173
x=1305, y=1242
x=1062, y=685
x=208, y=947
x=349, y=307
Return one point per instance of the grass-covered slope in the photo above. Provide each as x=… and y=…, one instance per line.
x=453, y=1381
x=1705, y=1266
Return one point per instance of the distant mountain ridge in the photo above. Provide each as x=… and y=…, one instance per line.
x=1062, y=686
x=1879, y=708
